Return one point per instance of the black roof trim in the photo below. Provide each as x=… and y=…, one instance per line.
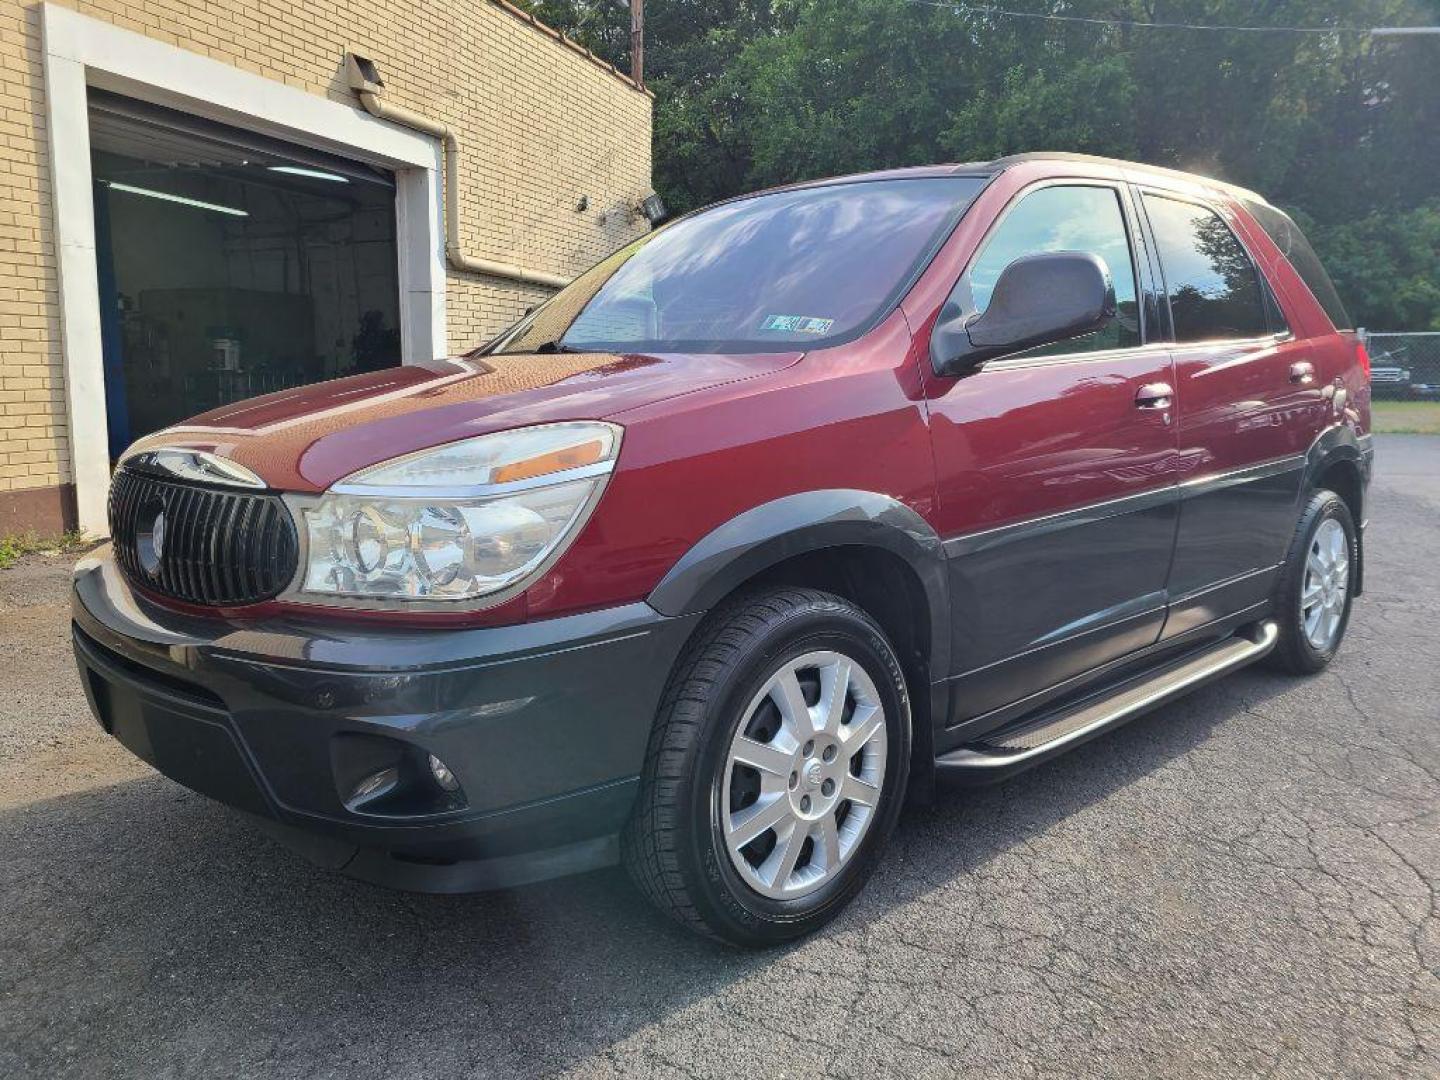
x=1154, y=170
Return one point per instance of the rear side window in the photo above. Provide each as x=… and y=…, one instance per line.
x=1215, y=293
x=1292, y=244
x=1276, y=315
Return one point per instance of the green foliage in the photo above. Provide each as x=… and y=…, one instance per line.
x=751, y=93
x=1386, y=266
x=1091, y=103
x=18, y=545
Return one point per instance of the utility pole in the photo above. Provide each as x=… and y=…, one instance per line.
x=637, y=38
x=637, y=41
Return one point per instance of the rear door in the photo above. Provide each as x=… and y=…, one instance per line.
x=1247, y=394
x=1055, y=469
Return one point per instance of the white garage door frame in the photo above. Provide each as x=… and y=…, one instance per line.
x=82, y=52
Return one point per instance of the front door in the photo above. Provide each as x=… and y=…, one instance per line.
x=1056, y=483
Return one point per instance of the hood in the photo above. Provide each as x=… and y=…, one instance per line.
x=308, y=438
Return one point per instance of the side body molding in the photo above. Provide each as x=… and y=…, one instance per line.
x=810, y=521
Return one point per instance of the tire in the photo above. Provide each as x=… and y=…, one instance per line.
x=695, y=791
x=1297, y=651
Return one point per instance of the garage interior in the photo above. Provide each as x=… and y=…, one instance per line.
x=231, y=264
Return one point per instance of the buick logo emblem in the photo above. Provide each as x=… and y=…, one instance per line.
x=150, y=538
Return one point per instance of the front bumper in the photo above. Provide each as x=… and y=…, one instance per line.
x=544, y=724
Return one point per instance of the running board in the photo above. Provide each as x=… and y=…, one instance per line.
x=1032, y=740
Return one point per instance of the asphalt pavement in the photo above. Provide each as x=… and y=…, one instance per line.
x=1241, y=884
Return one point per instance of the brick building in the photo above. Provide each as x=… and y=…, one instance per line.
x=195, y=208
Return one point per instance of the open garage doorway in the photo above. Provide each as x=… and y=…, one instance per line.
x=231, y=265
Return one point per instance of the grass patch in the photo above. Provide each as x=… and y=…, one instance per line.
x=18, y=545
x=1405, y=417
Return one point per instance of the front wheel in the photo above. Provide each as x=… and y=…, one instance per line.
x=776, y=769
x=1315, y=591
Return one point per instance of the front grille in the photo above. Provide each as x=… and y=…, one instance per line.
x=219, y=547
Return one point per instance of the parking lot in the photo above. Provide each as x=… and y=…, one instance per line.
x=1243, y=883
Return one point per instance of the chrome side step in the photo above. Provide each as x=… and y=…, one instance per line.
x=1027, y=742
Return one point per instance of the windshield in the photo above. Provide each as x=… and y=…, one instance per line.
x=788, y=269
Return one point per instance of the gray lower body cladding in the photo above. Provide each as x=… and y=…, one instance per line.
x=544, y=726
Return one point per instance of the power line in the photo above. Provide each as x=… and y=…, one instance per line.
x=985, y=9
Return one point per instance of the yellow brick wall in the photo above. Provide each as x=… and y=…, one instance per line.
x=540, y=124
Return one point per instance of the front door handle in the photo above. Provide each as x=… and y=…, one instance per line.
x=1155, y=395
x=1302, y=372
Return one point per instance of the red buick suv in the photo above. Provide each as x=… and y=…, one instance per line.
x=774, y=518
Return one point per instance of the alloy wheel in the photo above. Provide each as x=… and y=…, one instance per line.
x=1327, y=582
x=803, y=775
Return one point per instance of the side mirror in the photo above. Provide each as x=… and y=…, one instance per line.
x=1038, y=300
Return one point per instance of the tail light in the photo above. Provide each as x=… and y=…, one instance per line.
x=1363, y=356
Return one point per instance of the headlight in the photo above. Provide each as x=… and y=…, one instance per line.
x=460, y=522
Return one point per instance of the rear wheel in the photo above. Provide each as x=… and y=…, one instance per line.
x=776, y=769
x=1315, y=592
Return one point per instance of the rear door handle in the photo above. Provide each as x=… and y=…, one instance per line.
x=1302, y=372
x=1155, y=395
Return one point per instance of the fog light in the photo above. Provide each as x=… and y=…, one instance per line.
x=375, y=784
x=443, y=776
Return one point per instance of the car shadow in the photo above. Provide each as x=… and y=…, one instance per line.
x=186, y=937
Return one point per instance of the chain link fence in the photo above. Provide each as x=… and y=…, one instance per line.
x=1404, y=367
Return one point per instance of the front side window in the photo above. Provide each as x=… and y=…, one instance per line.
x=1215, y=293
x=779, y=271
x=1087, y=219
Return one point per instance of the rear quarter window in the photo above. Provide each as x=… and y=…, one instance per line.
x=1286, y=236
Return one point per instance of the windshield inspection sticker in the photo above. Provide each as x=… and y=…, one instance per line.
x=796, y=324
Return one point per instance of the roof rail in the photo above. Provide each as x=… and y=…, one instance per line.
x=1159, y=170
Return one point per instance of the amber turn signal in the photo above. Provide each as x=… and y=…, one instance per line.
x=567, y=457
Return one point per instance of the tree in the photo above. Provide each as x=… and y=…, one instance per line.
x=1386, y=266
x=751, y=93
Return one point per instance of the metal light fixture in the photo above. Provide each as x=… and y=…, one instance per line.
x=652, y=207
x=313, y=174
x=181, y=199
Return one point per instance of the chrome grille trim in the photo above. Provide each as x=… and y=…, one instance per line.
x=223, y=547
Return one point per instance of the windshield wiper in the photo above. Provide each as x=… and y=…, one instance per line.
x=556, y=346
